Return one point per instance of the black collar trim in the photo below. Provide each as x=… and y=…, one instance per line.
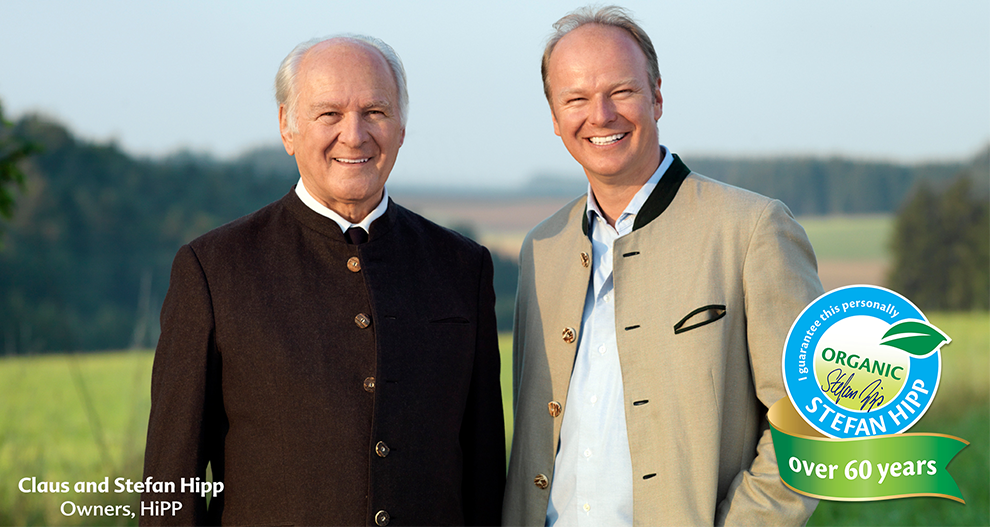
x=659, y=199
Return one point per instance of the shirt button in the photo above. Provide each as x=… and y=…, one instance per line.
x=354, y=264
x=594, y=399
x=362, y=320
x=587, y=507
x=568, y=335
x=381, y=518
x=602, y=349
x=587, y=452
x=369, y=385
x=541, y=481
x=381, y=449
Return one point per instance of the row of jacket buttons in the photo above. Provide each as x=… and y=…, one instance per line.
x=553, y=407
x=569, y=335
x=363, y=321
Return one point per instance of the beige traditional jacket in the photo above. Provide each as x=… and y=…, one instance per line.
x=706, y=288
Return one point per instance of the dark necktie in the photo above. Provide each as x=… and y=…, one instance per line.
x=356, y=235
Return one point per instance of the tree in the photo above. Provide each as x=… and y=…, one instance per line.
x=13, y=149
x=941, y=245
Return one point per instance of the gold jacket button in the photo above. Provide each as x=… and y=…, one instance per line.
x=369, y=385
x=585, y=259
x=354, y=264
x=362, y=320
x=541, y=481
x=554, y=408
x=381, y=518
x=568, y=335
x=381, y=449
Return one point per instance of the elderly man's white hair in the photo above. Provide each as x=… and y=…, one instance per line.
x=285, y=79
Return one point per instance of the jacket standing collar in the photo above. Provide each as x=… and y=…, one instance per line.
x=659, y=199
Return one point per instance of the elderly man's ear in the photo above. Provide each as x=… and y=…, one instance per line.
x=283, y=128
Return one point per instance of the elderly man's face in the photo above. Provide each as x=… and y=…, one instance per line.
x=603, y=106
x=348, y=129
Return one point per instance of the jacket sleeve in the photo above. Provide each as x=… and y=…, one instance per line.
x=187, y=421
x=483, y=430
x=780, y=278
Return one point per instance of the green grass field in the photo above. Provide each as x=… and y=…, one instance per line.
x=69, y=418
x=83, y=417
x=849, y=238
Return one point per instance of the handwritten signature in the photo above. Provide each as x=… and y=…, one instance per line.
x=838, y=385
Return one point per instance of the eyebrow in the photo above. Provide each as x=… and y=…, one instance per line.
x=381, y=103
x=328, y=105
x=631, y=81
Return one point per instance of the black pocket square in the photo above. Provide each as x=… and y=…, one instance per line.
x=699, y=317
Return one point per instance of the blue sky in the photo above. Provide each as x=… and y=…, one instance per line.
x=904, y=80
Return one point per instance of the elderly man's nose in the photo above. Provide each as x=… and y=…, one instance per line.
x=353, y=131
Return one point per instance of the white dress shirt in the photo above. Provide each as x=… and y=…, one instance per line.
x=322, y=210
x=592, y=481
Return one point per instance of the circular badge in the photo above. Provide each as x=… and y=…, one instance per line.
x=862, y=361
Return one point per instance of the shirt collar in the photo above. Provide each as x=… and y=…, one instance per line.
x=322, y=210
x=640, y=198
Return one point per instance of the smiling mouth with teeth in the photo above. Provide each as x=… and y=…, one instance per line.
x=351, y=161
x=607, y=140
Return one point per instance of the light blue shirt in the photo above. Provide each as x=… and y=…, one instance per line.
x=323, y=210
x=592, y=481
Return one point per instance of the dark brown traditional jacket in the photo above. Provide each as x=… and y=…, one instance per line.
x=327, y=383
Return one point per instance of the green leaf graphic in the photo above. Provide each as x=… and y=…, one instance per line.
x=915, y=337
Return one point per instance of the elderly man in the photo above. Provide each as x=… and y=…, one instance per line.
x=333, y=356
x=650, y=317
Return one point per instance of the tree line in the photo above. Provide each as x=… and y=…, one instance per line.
x=819, y=187
x=86, y=256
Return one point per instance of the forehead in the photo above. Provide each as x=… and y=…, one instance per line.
x=596, y=52
x=344, y=68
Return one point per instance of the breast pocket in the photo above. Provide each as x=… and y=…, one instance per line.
x=451, y=320
x=436, y=348
x=702, y=316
